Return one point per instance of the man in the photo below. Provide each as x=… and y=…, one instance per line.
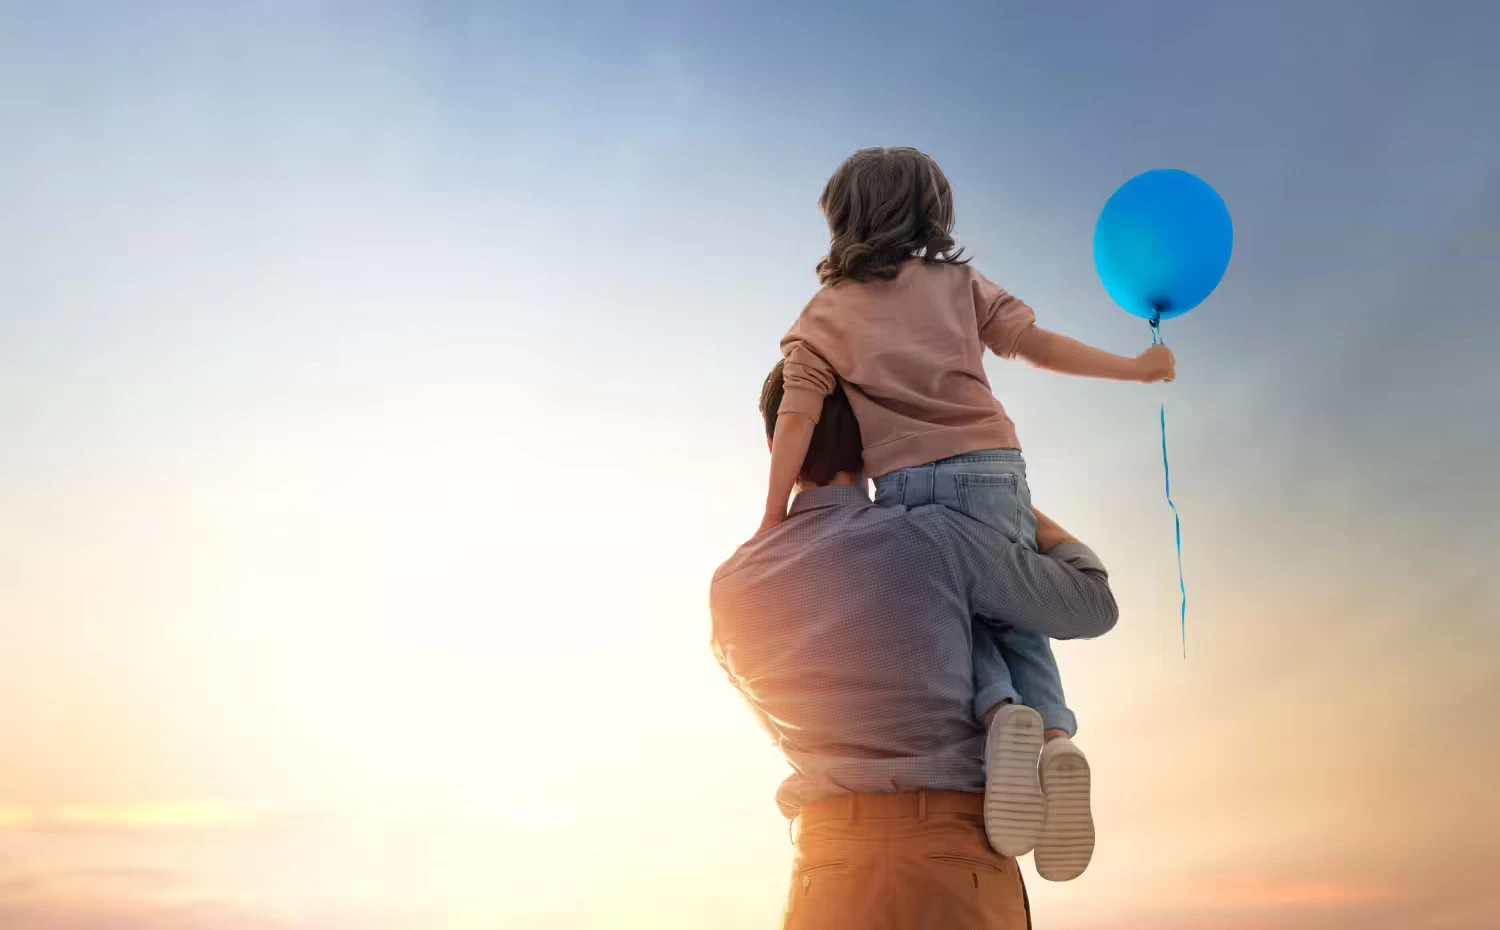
x=848, y=630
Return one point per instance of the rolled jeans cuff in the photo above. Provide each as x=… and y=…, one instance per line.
x=1057, y=717
x=993, y=695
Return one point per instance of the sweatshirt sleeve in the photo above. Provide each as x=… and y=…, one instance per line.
x=808, y=378
x=1002, y=317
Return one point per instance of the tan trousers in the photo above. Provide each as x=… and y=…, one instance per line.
x=909, y=861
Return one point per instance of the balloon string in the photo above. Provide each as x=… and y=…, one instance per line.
x=1166, y=468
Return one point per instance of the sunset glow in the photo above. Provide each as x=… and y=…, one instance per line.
x=377, y=397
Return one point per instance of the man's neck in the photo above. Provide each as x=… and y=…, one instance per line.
x=844, y=479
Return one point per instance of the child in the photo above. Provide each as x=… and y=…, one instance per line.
x=903, y=321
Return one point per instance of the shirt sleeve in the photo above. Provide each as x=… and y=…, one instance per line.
x=1002, y=317
x=808, y=378
x=1064, y=594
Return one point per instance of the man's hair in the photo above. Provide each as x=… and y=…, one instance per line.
x=885, y=206
x=836, y=445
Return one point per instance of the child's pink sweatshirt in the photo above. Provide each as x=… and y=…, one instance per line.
x=910, y=352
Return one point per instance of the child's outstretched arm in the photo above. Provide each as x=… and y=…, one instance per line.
x=1067, y=356
x=1008, y=327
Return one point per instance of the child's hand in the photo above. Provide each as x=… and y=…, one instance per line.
x=771, y=521
x=1156, y=364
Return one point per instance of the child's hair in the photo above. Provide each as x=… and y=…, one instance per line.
x=883, y=207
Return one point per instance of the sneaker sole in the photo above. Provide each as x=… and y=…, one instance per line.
x=1067, y=843
x=1013, y=802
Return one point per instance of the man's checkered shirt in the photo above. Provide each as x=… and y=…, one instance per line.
x=848, y=630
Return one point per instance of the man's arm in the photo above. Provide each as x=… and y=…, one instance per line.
x=722, y=656
x=1048, y=534
x=1063, y=593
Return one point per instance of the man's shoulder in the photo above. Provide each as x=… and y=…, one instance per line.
x=731, y=566
x=937, y=518
x=758, y=554
x=941, y=527
x=792, y=541
x=865, y=528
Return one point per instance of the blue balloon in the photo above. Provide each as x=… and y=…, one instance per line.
x=1162, y=244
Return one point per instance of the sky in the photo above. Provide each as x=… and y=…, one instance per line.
x=377, y=396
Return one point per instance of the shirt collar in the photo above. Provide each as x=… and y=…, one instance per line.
x=842, y=495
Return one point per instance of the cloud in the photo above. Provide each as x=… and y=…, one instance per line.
x=1273, y=894
x=153, y=899
x=171, y=817
x=94, y=817
x=114, y=898
x=13, y=887
x=126, y=914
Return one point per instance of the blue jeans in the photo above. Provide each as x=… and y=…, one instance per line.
x=1009, y=663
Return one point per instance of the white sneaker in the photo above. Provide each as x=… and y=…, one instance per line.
x=1013, y=804
x=1067, y=841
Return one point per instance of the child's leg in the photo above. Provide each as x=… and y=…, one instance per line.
x=1066, y=842
x=1026, y=654
x=988, y=487
x=993, y=685
x=1014, y=805
x=991, y=487
x=1035, y=677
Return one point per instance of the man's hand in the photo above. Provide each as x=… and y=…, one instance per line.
x=1048, y=534
x=1156, y=364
